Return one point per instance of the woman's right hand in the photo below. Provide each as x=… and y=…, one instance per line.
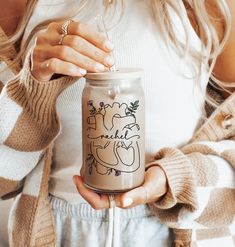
x=83, y=49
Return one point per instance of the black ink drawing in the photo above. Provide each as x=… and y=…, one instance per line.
x=113, y=134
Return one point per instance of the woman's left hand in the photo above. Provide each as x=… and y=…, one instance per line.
x=155, y=186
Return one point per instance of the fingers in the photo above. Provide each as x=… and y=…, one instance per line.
x=67, y=53
x=83, y=47
x=44, y=71
x=79, y=44
x=95, y=200
x=90, y=34
x=155, y=186
x=51, y=37
x=85, y=31
x=134, y=197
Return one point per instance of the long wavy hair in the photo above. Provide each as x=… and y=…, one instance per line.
x=200, y=16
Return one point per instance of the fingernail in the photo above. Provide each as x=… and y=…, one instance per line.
x=109, y=45
x=127, y=201
x=109, y=60
x=82, y=71
x=99, y=67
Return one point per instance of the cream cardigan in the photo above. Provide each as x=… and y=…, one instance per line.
x=199, y=204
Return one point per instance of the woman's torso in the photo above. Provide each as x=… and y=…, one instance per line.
x=174, y=106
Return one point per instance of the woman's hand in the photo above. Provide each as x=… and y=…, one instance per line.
x=83, y=49
x=155, y=186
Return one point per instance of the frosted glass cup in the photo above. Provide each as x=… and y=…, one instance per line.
x=113, y=125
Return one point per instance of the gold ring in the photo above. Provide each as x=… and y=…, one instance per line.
x=112, y=203
x=64, y=27
x=62, y=38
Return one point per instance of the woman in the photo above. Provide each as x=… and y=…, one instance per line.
x=182, y=180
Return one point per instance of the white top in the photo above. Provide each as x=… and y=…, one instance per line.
x=174, y=106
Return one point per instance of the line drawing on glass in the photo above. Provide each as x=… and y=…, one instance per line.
x=113, y=136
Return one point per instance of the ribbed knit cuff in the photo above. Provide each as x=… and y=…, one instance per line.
x=181, y=183
x=183, y=237
x=37, y=97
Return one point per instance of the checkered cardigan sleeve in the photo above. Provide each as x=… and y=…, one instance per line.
x=28, y=124
x=201, y=176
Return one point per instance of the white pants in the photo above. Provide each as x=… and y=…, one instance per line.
x=82, y=226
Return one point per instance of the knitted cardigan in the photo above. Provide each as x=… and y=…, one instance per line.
x=200, y=201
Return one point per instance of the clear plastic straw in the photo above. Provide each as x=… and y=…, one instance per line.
x=102, y=28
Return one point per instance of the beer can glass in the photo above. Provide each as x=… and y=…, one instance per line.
x=113, y=125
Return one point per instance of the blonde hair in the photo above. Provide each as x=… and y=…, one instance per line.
x=204, y=23
x=16, y=37
x=202, y=20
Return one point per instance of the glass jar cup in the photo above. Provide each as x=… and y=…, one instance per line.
x=113, y=120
